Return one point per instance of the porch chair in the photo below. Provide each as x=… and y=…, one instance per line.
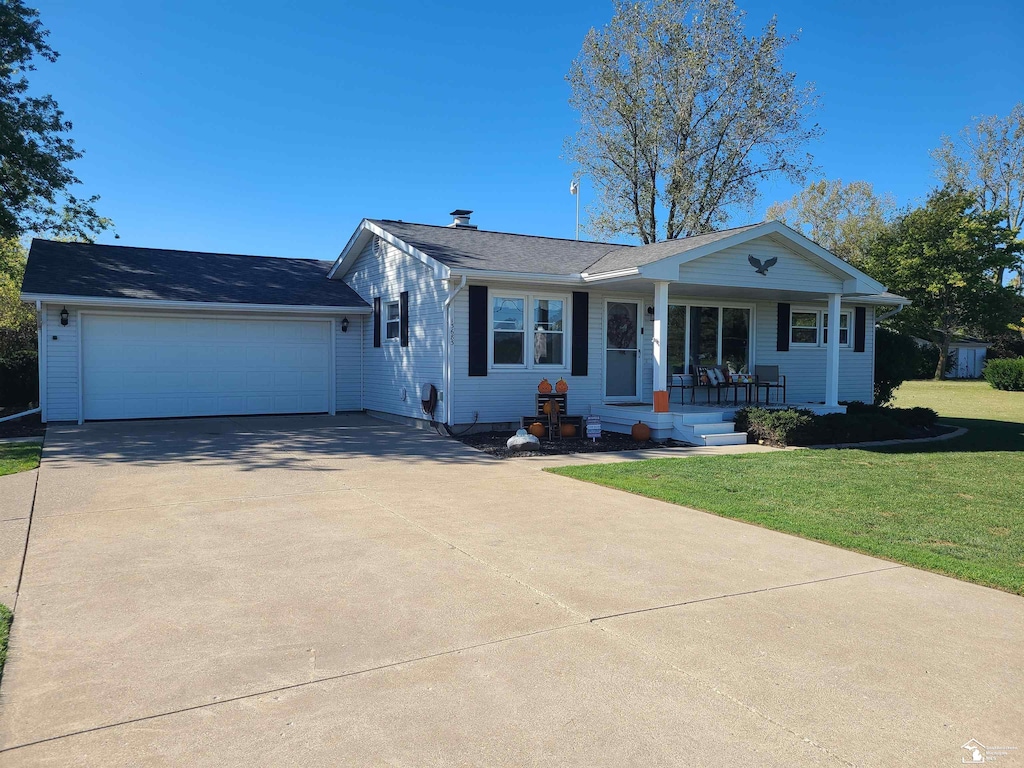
x=705, y=372
x=767, y=377
x=678, y=377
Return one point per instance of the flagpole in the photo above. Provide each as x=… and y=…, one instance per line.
x=574, y=189
x=577, y=215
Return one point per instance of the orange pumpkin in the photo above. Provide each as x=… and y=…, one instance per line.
x=537, y=429
x=641, y=432
x=561, y=386
x=568, y=430
x=544, y=387
x=551, y=407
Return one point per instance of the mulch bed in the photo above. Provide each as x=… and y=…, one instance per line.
x=27, y=426
x=494, y=444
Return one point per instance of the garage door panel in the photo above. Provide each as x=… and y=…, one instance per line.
x=260, y=355
x=289, y=356
x=314, y=380
x=147, y=367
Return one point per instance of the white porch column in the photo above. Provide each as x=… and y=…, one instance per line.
x=661, y=346
x=832, y=365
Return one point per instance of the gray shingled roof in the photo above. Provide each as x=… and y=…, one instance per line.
x=114, y=271
x=627, y=257
x=480, y=249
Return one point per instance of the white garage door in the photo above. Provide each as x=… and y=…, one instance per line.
x=142, y=366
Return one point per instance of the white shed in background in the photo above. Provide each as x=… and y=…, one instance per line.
x=968, y=358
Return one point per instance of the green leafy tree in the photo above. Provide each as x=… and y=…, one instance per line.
x=36, y=179
x=986, y=160
x=842, y=218
x=17, y=319
x=943, y=257
x=682, y=114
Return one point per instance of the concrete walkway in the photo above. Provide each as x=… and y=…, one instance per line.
x=314, y=591
x=16, y=494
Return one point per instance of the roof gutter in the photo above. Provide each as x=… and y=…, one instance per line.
x=517, y=277
x=223, y=306
x=628, y=272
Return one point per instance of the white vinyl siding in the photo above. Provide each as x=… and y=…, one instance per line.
x=348, y=364
x=393, y=374
x=804, y=366
x=61, y=364
x=731, y=267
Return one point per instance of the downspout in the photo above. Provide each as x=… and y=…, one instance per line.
x=41, y=351
x=890, y=313
x=447, y=341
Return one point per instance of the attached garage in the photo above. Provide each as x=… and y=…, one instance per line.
x=142, y=333
x=152, y=366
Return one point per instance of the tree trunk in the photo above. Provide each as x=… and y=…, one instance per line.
x=940, y=368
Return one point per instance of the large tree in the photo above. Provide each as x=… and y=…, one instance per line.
x=17, y=319
x=36, y=178
x=842, y=218
x=682, y=114
x=943, y=257
x=986, y=160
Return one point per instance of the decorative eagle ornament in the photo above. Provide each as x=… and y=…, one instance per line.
x=762, y=267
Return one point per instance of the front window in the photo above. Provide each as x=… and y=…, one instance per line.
x=736, y=339
x=528, y=331
x=709, y=336
x=677, y=338
x=804, y=328
x=509, y=330
x=844, y=329
x=548, y=332
x=394, y=320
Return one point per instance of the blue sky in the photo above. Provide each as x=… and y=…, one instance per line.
x=255, y=127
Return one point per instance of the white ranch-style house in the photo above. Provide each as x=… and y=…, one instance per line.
x=465, y=319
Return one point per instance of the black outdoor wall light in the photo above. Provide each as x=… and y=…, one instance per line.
x=344, y=325
x=64, y=316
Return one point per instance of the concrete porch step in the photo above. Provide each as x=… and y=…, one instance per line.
x=728, y=438
x=710, y=428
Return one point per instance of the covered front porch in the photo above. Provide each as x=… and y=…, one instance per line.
x=759, y=305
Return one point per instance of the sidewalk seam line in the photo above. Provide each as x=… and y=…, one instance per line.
x=748, y=592
x=293, y=686
x=28, y=535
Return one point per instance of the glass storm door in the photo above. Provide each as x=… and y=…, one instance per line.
x=622, y=350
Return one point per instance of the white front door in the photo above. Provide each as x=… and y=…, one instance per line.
x=152, y=366
x=622, y=351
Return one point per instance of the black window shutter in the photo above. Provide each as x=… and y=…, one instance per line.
x=478, y=330
x=580, y=332
x=860, y=328
x=376, y=322
x=782, y=336
x=403, y=314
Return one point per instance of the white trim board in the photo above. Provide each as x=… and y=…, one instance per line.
x=223, y=306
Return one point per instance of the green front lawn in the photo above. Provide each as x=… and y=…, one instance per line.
x=18, y=457
x=953, y=507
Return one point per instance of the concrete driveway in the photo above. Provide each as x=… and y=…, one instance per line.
x=317, y=591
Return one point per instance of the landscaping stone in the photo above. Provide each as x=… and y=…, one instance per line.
x=522, y=441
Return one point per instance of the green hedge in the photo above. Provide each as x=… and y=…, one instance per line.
x=861, y=423
x=1007, y=374
x=774, y=426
